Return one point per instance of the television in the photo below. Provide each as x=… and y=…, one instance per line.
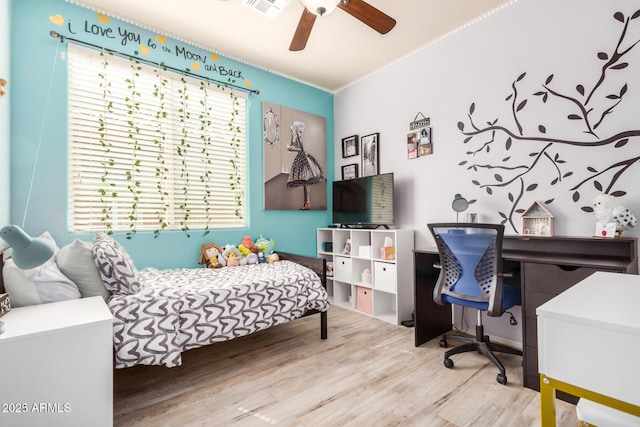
x=365, y=202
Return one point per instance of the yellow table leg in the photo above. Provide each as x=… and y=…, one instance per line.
x=548, y=387
x=547, y=402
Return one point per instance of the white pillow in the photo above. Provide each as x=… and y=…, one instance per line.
x=38, y=285
x=75, y=260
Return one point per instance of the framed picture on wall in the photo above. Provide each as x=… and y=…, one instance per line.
x=350, y=171
x=370, y=154
x=425, y=146
x=350, y=146
x=412, y=145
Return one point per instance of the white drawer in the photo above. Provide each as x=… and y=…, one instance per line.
x=342, y=269
x=384, y=276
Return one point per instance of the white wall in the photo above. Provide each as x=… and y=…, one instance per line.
x=478, y=64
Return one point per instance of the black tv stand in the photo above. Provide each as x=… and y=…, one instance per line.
x=364, y=226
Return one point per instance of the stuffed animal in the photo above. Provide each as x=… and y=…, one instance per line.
x=606, y=209
x=232, y=260
x=273, y=258
x=252, y=258
x=265, y=245
x=237, y=255
x=261, y=258
x=246, y=245
x=210, y=255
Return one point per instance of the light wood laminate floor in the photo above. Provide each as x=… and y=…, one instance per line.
x=367, y=373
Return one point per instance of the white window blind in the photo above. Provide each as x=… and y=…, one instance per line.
x=150, y=149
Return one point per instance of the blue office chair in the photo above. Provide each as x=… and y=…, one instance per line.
x=471, y=276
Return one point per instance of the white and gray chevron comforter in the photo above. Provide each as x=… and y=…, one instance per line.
x=180, y=309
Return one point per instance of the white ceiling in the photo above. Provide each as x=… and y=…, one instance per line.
x=340, y=50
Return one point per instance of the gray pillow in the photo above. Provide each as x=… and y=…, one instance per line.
x=118, y=272
x=38, y=285
x=75, y=260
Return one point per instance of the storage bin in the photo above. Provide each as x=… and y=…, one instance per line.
x=342, y=269
x=384, y=276
x=364, y=302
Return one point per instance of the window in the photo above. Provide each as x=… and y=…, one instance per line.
x=151, y=149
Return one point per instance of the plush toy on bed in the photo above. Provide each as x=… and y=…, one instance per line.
x=233, y=260
x=273, y=258
x=265, y=246
x=246, y=245
x=252, y=258
x=211, y=255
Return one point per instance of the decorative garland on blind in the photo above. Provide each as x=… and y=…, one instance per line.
x=138, y=164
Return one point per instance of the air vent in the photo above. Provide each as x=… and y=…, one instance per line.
x=271, y=8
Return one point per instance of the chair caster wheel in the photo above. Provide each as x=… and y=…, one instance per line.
x=502, y=379
x=448, y=363
x=443, y=343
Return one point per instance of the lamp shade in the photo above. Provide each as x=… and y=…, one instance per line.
x=27, y=252
x=320, y=7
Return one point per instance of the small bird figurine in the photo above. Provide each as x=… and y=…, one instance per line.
x=607, y=210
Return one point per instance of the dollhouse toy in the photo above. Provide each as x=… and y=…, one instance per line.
x=537, y=220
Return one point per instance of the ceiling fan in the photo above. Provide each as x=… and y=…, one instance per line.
x=359, y=9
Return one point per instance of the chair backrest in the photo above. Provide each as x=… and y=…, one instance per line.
x=471, y=260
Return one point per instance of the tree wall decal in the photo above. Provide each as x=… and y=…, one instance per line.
x=590, y=107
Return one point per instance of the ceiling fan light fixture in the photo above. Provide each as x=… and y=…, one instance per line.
x=320, y=7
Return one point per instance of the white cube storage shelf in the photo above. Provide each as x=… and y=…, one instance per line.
x=391, y=281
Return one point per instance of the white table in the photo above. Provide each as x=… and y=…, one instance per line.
x=589, y=344
x=56, y=365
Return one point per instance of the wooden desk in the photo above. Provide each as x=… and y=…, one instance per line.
x=598, y=323
x=548, y=266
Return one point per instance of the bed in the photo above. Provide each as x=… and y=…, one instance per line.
x=159, y=314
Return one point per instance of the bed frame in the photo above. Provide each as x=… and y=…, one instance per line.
x=318, y=265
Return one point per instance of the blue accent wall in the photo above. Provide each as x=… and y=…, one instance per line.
x=5, y=36
x=38, y=108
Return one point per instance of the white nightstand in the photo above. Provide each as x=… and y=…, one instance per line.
x=56, y=365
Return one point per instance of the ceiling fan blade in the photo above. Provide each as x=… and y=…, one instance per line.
x=369, y=15
x=303, y=31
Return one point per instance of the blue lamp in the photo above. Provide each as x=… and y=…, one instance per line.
x=27, y=252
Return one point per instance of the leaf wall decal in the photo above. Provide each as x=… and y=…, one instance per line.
x=620, y=66
x=622, y=143
x=521, y=105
